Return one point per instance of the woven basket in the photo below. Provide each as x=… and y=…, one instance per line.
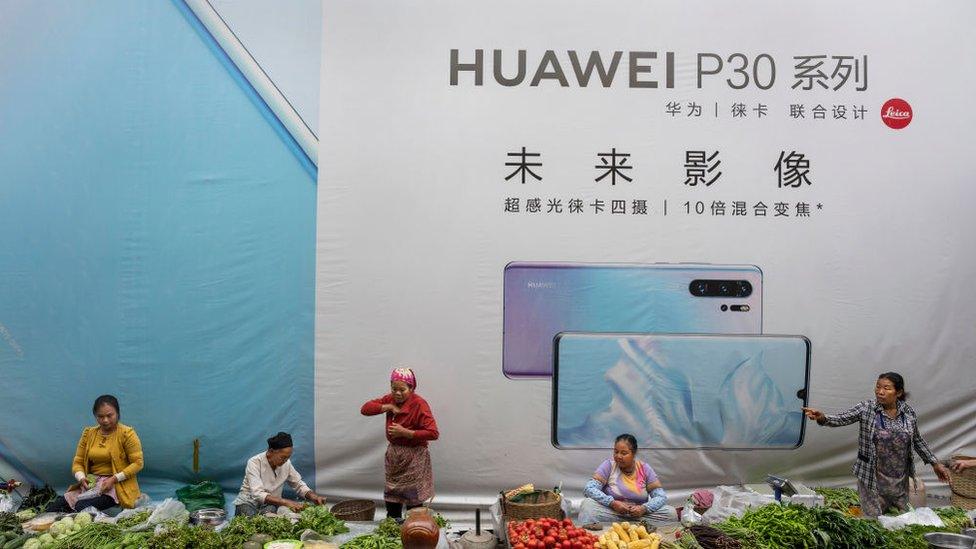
x=964, y=503
x=546, y=504
x=964, y=483
x=354, y=509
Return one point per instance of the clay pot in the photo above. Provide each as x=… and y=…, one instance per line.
x=419, y=531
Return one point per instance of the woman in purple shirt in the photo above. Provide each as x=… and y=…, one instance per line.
x=625, y=488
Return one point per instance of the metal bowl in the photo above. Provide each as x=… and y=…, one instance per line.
x=941, y=540
x=210, y=516
x=971, y=532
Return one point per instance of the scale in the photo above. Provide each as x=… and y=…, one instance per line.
x=781, y=487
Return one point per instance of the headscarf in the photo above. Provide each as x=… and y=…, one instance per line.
x=280, y=441
x=405, y=375
x=702, y=499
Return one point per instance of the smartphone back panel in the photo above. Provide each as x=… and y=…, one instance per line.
x=543, y=299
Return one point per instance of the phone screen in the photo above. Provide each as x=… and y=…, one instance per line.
x=680, y=391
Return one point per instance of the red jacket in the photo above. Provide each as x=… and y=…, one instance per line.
x=414, y=415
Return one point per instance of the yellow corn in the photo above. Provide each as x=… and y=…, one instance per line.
x=611, y=544
x=655, y=543
x=642, y=532
x=613, y=536
x=632, y=532
x=619, y=529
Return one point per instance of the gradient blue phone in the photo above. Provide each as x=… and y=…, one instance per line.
x=680, y=391
x=543, y=299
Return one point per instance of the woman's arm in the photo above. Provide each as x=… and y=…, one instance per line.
x=377, y=406
x=844, y=418
x=922, y=449
x=594, y=491
x=133, y=450
x=78, y=465
x=658, y=497
x=428, y=426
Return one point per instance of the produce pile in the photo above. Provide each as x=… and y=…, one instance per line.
x=80, y=532
x=623, y=535
x=549, y=533
x=794, y=526
x=386, y=536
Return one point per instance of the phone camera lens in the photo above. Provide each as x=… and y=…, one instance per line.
x=699, y=287
x=724, y=308
x=745, y=288
x=724, y=289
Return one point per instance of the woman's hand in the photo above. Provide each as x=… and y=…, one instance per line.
x=396, y=430
x=620, y=507
x=814, y=414
x=106, y=484
x=391, y=408
x=295, y=506
x=83, y=484
x=637, y=510
x=963, y=464
x=941, y=471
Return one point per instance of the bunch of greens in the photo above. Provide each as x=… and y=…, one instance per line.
x=780, y=527
x=134, y=519
x=372, y=541
x=841, y=499
x=38, y=498
x=388, y=528
x=320, y=520
x=954, y=518
x=10, y=523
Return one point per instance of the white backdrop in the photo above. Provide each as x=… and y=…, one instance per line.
x=413, y=234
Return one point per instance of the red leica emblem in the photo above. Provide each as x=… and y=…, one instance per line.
x=896, y=113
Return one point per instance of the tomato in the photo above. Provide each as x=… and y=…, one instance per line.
x=549, y=541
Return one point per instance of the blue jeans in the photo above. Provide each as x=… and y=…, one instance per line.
x=594, y=511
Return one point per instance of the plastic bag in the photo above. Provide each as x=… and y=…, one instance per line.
x=6, y=503
x=169, y=509
x=923, y=515
x=206, y=494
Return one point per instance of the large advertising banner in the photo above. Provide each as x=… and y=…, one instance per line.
x=680, y=220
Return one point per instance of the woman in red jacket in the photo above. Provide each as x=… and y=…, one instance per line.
x=409, y=426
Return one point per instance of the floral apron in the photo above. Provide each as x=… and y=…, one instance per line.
x=892, y=444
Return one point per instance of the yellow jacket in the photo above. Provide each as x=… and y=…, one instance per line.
x=126, y=455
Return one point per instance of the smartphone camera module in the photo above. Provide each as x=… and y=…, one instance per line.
x=720, y=288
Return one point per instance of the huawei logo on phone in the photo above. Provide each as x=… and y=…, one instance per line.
x=541, y=285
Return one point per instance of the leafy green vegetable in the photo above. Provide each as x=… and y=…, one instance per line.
x=319, y=519
x=134, y=519
x=841, y=499
x=372, y=541
x=388, y=528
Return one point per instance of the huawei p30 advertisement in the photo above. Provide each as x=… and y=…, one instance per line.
x=682, y=222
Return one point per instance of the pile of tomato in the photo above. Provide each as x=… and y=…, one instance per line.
x=548, y=533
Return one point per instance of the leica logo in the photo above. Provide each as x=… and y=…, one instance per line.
x=896, y=113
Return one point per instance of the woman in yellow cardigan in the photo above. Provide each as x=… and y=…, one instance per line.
x=112, y=453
